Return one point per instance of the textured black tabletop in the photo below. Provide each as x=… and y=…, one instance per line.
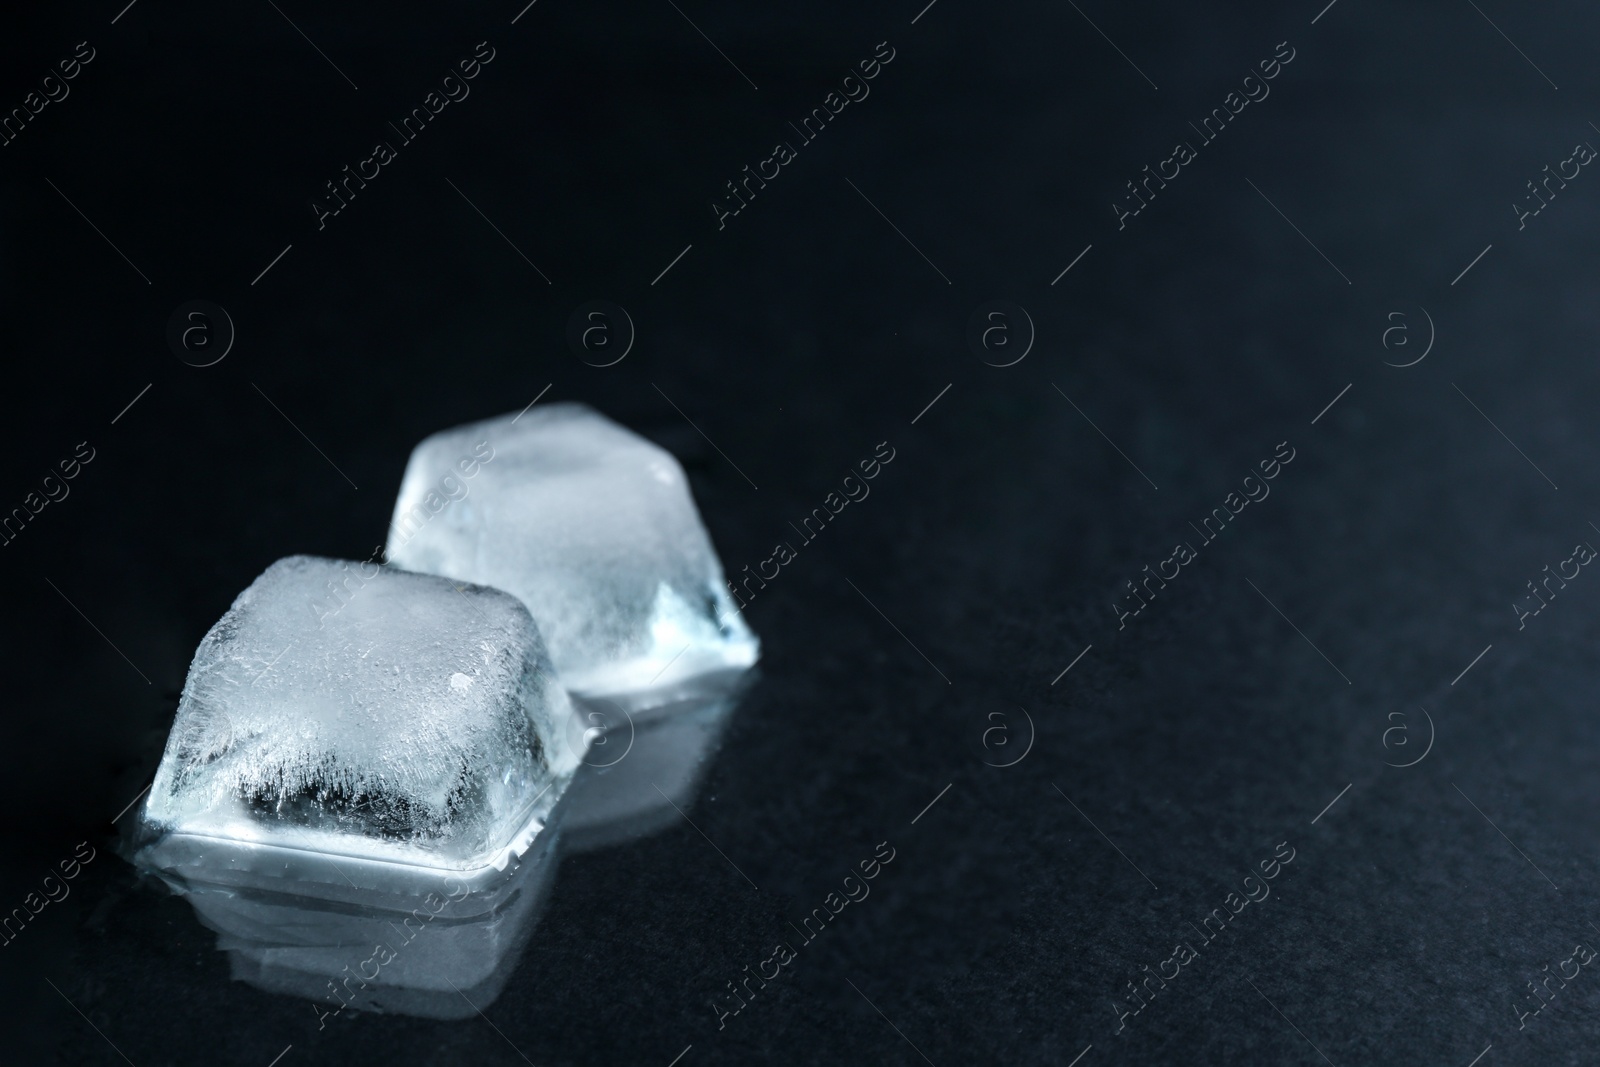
x=1214, y=658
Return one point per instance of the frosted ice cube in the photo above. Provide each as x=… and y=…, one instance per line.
x=593, y=527
x=369, y=712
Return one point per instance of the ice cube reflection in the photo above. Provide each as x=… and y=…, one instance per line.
x=353, y=934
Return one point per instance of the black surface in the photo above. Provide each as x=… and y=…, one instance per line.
x=1197, y=738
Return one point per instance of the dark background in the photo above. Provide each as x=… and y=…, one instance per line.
x=1197, y=739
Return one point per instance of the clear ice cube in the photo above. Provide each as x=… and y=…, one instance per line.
x=353, y=710
x=593, y=527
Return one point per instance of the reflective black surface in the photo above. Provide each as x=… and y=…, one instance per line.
x=1241, y=706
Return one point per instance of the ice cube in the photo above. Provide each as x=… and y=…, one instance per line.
x=362, y=711
x=593, y=527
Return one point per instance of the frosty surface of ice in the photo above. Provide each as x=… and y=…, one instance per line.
x=366, y=711
x=593, y=527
